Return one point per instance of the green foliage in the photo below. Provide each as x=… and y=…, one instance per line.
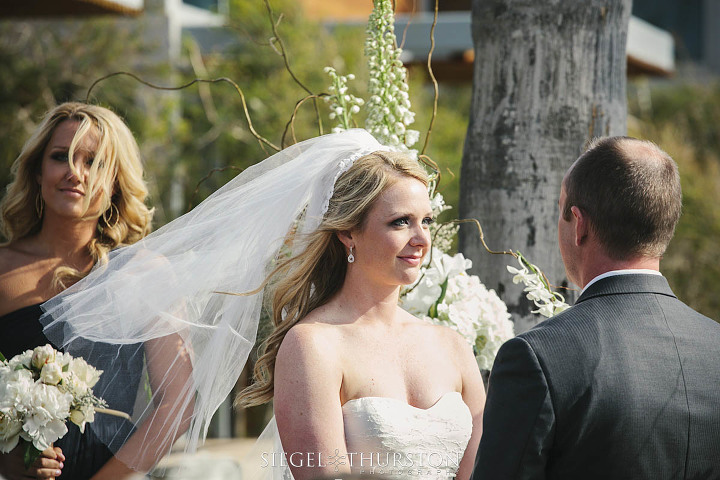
x=683, y=121
x=47, y=63
x=38, y=73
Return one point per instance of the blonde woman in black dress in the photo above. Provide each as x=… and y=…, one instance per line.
x=78, y=192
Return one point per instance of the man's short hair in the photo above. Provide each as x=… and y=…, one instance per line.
x=630, y=191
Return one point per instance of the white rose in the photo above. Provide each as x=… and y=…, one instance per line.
x=84, y=373
x=43, y=355
x=51, y=373
x=82, y=416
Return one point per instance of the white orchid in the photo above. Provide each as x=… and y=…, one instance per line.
x=537, y=290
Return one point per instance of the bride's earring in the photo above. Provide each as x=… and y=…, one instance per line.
x=351, y=257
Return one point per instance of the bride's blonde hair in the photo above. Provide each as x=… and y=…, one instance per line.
x=308, y=280
x=116, y=175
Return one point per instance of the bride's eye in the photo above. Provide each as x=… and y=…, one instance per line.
x=59, y=156
x=428, y=221
x=400, y=222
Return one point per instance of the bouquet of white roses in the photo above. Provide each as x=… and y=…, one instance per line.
x=39, y=391
x=446, y=295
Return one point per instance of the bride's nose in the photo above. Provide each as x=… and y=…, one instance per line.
x=421, y=237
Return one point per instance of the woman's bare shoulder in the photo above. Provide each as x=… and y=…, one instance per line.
x=314, y=330
x=20, y=274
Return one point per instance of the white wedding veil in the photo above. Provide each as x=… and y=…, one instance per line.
x=152, y=317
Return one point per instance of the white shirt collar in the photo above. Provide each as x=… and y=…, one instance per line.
x=612, y=273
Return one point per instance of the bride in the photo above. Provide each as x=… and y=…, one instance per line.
x=348, y=369
x=359, y=385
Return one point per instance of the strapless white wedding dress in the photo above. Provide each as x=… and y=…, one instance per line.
x=391, y=439
x=386, y=439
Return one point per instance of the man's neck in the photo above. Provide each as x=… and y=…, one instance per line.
x=602, y=264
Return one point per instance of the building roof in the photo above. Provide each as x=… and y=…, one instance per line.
x=55, y=8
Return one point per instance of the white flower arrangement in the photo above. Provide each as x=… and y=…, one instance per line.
x=40, y=390
x=538, y=289
x=446, y=295
x=388, y=108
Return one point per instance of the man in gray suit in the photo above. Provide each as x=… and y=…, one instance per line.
x=625, y=384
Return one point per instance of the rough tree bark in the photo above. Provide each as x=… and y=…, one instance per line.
x=548, y=76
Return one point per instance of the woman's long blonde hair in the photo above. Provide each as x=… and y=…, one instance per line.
x=116, y=175
x=311, y=278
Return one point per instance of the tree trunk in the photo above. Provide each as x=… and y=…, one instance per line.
x=548, y=76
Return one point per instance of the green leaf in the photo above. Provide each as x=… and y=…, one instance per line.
x=31, y=454
x=2, y=357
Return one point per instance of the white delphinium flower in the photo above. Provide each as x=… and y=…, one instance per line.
x=537, y=290
x=442, y=234
x=342, y=104
x=388, y=108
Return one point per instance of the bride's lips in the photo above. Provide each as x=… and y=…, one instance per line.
x=73, y=192
x=414, y=260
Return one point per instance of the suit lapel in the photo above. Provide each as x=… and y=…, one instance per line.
x=624, y=284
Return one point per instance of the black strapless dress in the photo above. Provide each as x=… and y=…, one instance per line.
x=85, y=453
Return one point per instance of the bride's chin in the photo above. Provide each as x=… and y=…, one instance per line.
x=409, y=279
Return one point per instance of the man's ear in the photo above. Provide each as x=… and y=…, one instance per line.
x=582, y=227
x=346, y=238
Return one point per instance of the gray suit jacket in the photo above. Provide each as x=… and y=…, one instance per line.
x=624, y=385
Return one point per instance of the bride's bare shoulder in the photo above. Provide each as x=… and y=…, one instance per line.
x=313, y=336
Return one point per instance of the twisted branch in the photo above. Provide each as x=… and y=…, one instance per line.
x=259, y=137
x=280, y=49
x=207, y=177
x=432, y=77
x=290, y=125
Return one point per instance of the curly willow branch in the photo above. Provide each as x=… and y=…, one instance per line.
x=434, y=166
x=260, y=138
x=283, y=54
x=290, y=125
x=482, y=237
x=432, y=77
x=207, y=177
